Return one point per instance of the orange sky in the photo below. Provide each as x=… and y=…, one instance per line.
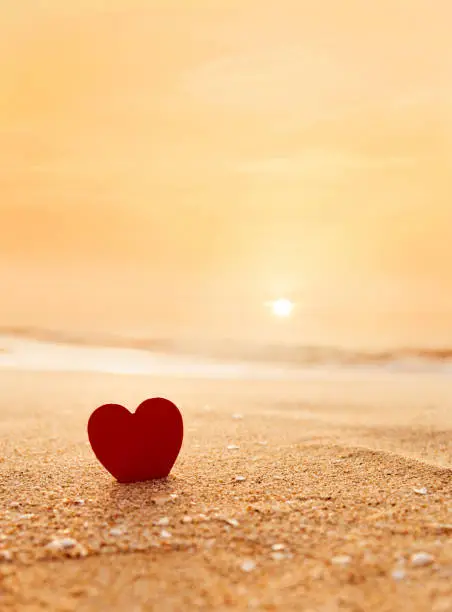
x=228, y=152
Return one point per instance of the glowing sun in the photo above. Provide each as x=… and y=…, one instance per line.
x=282, y=307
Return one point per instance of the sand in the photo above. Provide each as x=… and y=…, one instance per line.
x=330, y=497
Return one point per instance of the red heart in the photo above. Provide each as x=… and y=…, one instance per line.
x=139, y=446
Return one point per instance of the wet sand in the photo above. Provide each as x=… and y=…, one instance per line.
x=331, y=496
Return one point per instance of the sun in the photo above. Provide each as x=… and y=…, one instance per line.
x=282, y=307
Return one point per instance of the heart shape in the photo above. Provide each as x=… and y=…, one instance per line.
x=143, y=445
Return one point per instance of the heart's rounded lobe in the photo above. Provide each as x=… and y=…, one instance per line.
x=139, y=446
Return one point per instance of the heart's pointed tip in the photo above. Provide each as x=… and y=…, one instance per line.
x=126, y=481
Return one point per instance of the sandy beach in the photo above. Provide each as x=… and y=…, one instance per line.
x=288, y=495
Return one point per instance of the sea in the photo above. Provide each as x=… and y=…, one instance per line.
x=35, y=349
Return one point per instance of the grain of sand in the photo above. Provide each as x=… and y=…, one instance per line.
x=286, y=496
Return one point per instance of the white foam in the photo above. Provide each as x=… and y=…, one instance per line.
x=33, y=355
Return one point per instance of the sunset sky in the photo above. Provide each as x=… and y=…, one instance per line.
x=171, y=165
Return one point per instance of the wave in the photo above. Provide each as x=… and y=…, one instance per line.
x=229, y=350
x=85, y=339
